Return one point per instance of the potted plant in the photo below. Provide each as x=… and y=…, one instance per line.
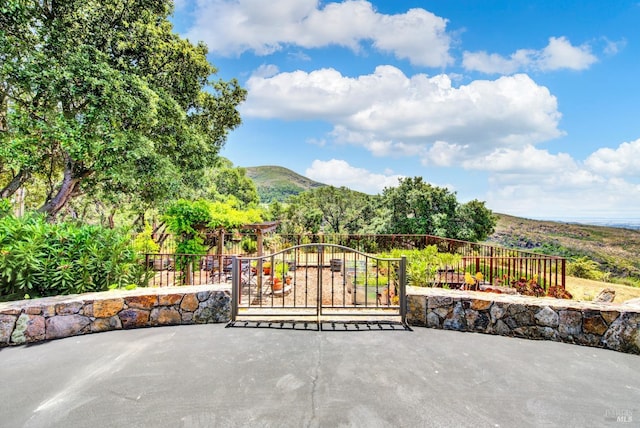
x=281, y=269
x=266, y=268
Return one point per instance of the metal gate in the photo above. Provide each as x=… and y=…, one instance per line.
x=318, y=282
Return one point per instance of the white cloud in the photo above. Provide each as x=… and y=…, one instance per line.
x=231, y=27
x=612, y=48
x=622, y=161
x=338, y=173
x=389, y=113
x=530, y=182
x=558, y=54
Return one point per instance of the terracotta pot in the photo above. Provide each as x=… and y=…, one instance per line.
x=288, y=280
x=277, y=284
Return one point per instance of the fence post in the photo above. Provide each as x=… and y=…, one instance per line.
x=235, y=287
x=403, y=289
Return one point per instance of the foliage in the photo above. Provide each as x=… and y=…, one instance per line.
x=422, y=265
x=330, y=210
x=143, y=243
x=416, y=207
x=229, y=181
x=189, y=220
x=5, y=207
x=583, y=267
x=41, y=259
x=371, y=279
x=528, y=287
x=104, y=99
x=248, y=245
x=281, y=269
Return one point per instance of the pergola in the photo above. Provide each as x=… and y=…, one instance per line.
x=261, y=229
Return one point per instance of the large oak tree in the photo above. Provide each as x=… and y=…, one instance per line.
x=104, y=97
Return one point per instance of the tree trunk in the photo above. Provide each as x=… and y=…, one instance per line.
x=69, y=183
x=15, y=184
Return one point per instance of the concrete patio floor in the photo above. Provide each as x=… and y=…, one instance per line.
x=212, y=376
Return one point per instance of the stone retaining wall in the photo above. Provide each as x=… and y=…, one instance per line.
x=36, y=320
x=605, y=325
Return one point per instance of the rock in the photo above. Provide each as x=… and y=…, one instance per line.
x=606, y=296
x=433, y=320
x=624, y=333
x=165, y=316
x=203, y=295
x=68, y=308
x=548, y=333
x=593, y=323
x=169, y=299
x=132, y=318
x=141, y=302
x=33, y=310
x=609, y=316
x=570, y=324
x=518, y=315
x=547, y=317
x=502, y=329
x=106, y=308
x=66, y=325
x=417, y=313
x=456, y=320
x=28, y=328
x=189, y=303
x=497, y=311
x=7, y=323
x=439, y=301
x=480, y=305
x=106, y=324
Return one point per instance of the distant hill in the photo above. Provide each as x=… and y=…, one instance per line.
x=276, y=183
x=616, y=249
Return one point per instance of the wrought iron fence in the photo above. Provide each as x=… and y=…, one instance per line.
x=498, y=265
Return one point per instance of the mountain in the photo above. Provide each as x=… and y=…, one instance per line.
x=276, y=183
x=616, y=249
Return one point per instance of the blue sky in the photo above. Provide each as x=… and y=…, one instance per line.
x=529, y=106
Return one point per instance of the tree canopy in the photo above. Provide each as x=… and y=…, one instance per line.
x=412, y=207
x=103, y=98
x=417, y=207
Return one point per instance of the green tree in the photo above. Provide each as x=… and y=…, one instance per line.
x=416, y=207
x=234, y=182
x=103, y=98
x=333, y=209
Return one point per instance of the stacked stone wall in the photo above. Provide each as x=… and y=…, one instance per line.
x=604, y=325
x=36, y=320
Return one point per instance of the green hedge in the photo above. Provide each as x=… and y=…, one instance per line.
x=39, y=259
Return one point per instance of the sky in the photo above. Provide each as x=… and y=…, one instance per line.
x=530, y=106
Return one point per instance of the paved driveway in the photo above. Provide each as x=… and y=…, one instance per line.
x=212, y=376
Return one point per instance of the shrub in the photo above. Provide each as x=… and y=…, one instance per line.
x=39, y=259
x=422, y=265
x=143, y=243
x=584, y=267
